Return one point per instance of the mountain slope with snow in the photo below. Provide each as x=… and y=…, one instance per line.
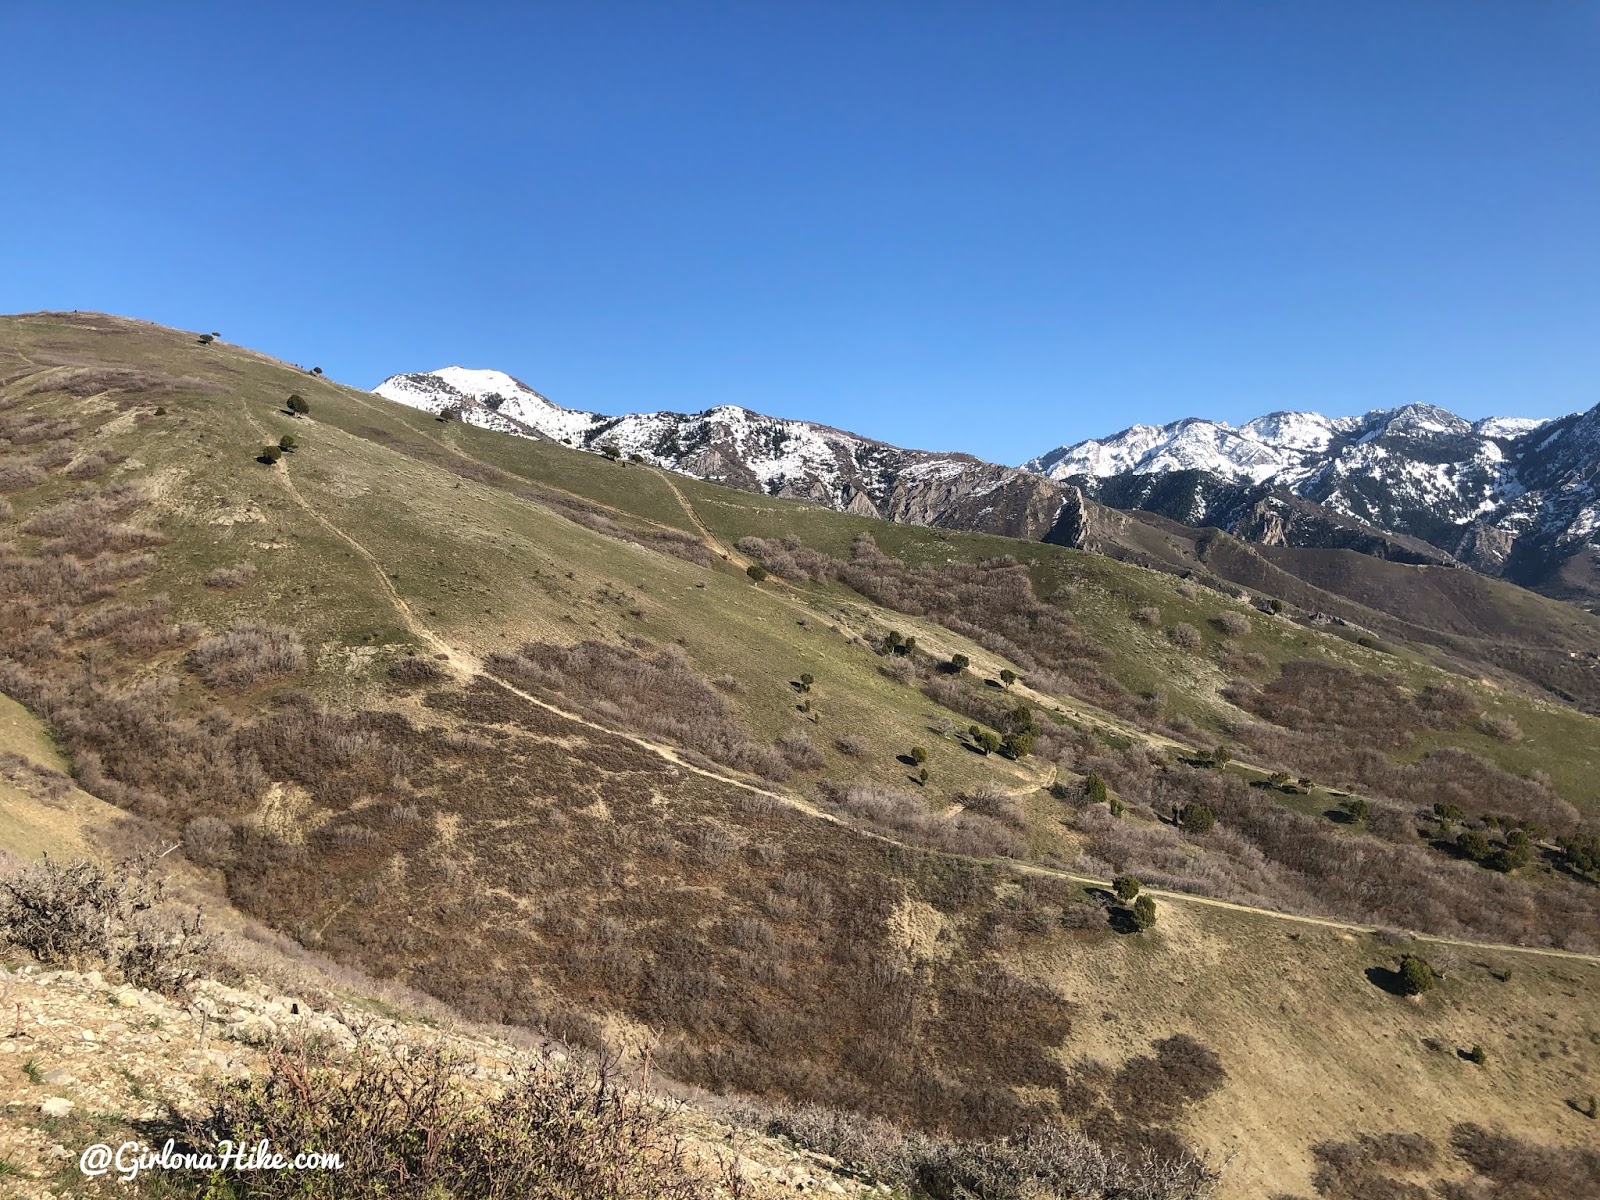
x=772, y=455
x=1509, y=496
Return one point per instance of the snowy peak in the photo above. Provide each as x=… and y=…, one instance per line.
x=492, y=399
x=1418, y=470
x=742, y=448
x=1281, y=447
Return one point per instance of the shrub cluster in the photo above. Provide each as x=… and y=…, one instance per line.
x=655, y=694
x=81, y=915
x=1036, y=1162
x=247, y=655
x=418, y=1125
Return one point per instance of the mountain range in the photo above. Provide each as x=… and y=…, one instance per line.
x=1509, y=497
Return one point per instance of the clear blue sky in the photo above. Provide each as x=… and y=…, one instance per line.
x=983, y=226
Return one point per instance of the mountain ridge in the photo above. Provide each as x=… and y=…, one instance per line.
x=736, y=446
x=1511, y=497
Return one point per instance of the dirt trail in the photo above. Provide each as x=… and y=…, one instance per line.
x=450, y=446
x=469, y=665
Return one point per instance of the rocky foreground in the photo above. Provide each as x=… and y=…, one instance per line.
x=84, y=1060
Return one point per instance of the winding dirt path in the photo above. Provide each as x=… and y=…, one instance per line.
x=469, y=666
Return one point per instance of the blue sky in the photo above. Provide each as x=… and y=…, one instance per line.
x=979, y=226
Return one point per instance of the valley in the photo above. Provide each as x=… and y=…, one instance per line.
x=822, y=806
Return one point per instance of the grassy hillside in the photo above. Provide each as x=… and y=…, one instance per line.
x=515, y=724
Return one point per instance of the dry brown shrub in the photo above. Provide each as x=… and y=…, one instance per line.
x=1502, y=728
x=658, y=695
x=209, y=842
x=853, y=745
x=1185, y=636
x=561, y=1133
x=19, y=474
x=995, y=803
x=904, y=815
x=901, y=670
x=1148, y=615
x=413, y=671
x=1234, y=624
x=247, y=655
x=227, y=578
x=29, y=429
x=89, y=466
x=800, y=750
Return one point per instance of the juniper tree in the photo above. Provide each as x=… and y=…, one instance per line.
x=1144, y=913
x=1018, y=745
x=1416, y=975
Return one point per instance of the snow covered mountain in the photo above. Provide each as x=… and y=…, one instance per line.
x=1508, y=496
x=1511, y=497
x=744, y=449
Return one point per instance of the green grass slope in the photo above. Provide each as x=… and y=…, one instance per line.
x=661, y=836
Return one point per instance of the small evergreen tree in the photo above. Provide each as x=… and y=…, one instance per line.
x=1357, y=809
x=287, y=443
x=297, y=405
x=611, y=452
x=205, y=339
x=269, y=454
x=1416, y=975
x=959, y=663
x=1126, y=887
x=1094, y=788
x=922, y=776
x=1018, y=745
x=1196, y=818
x=756, y=572
x=636, y=457
x=316, y=370
x=1144, y=913
x=1514, y=855
x=1474, y=845
x=919, y=755
x=1477, y=1055
x=1008, y=676
x=987, y=740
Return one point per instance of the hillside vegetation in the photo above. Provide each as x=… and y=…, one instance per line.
x=821, y=808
